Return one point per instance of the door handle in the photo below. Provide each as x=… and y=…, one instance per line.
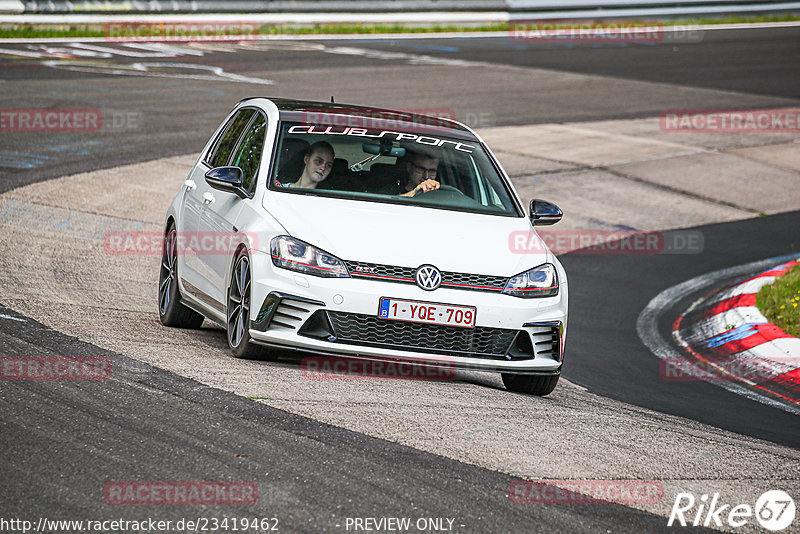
x=208, y=198
x=190, y=185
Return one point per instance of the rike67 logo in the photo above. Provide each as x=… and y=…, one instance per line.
x=774, y=510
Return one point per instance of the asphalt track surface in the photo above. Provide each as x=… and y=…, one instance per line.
x=77, y=431
x=61, y=440
x=608, y=356
x=758, y=61
x=527, y=83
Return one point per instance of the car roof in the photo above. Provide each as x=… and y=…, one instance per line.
x=300, y=111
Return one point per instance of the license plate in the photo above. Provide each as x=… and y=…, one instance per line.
x=427, y=312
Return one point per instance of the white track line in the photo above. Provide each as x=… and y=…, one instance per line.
x=370, y=36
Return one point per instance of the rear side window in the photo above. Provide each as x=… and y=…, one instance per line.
x=248, y=155
x=221, y=153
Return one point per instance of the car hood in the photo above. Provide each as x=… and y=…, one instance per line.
x=410, y=236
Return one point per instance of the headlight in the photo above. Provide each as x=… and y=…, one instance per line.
x=295, y=255
x=541, y=281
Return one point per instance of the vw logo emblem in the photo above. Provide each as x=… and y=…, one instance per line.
x=428, y=277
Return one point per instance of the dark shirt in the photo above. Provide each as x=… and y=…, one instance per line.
x=393, y=188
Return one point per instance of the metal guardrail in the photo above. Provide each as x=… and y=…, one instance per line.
x=374, y=6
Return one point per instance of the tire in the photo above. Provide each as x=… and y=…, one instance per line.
x=238, y=316
x=530, y=384
x=171, y=311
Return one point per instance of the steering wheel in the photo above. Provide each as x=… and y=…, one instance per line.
x=443, y=189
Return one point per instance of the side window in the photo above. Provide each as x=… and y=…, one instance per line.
x=248, y=155
x=494, y=199
x=221, y=153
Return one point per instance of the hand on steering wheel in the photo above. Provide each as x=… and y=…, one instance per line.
x=427, y=185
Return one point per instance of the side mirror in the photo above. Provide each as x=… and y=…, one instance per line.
x=227, y=179
x=544, y=213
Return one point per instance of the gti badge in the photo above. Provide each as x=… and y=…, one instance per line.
x=428, y=277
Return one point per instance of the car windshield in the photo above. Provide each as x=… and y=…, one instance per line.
x=382, y=165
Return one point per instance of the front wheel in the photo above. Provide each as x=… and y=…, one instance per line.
x=238, y=324
x=171, y=311
x=530, y=384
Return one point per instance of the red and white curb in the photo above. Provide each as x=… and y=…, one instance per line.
x=727, y=333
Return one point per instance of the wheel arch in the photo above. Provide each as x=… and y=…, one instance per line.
x=241, y=247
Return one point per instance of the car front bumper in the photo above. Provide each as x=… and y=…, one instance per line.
x=338, y=317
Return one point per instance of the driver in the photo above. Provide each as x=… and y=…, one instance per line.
x=419, y=176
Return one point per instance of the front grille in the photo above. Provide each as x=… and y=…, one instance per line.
x=476, y=282
x=406, y=275
x=390, y=273
x=483, y=342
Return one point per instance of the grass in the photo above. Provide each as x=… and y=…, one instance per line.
x=738, y=19
x=780, y=302
x=97, y=30
x=29, y=31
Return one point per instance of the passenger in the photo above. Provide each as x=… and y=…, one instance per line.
x=318, y=164
x=420, y=173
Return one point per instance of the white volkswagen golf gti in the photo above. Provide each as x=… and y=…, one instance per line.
x=366, y=233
